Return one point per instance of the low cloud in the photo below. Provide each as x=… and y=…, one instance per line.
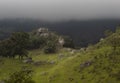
x=55, y=10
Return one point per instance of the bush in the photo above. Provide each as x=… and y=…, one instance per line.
x=23, y=76
x=37, y=42
x=68, y=42
x=51, y=47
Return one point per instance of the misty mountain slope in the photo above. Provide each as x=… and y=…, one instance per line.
x=82, y=32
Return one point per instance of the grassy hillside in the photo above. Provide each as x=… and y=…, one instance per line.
x=96, y=64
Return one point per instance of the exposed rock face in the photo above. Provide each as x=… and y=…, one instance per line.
x=61, y=41
x=43, y=32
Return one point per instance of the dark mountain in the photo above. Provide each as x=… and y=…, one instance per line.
x=82, y=32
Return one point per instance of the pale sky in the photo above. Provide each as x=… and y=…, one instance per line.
x=54, y=10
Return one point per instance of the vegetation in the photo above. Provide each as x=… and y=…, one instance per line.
x=114, y=39
x=15, y=45
x=98, y=63
x=23, y=76
x=68, y=42
x=89, y=31
x=37, y=42
x=51, y=47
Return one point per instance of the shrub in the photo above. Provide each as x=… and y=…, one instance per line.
x=51, y=47
x=23, y=76
x=68, y=42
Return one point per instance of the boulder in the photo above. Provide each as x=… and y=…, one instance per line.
x=72, y=52
x=28, y=60
x=52, y=62
x=82, y=49
x=38, y=63
x=86, y=64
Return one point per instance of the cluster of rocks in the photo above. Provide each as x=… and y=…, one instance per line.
x=71, y=51
x=52, y=62
x=44, y=32
x=37, y=63
x=82, y=49
x=86, y=64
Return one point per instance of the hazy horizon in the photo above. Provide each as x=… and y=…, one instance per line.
x=57, y=10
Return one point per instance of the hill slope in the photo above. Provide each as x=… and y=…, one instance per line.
x=97, y=64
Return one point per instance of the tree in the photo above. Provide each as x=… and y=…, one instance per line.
x=15, y=45
x=68, y=42
x=36, y=42
x=6, y=48
x=20, y=42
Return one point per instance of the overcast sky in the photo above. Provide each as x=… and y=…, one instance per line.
x=60, y=9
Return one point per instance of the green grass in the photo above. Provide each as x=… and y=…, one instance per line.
x=68, y=69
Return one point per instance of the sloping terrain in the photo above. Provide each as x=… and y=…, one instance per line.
x=97, y=64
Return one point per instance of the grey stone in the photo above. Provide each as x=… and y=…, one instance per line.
x=52, y=62
x=28, y=60
x=86, y=64
x=72, y=52
x=38, y=63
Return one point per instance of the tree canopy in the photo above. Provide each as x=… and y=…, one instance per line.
x=15, y=45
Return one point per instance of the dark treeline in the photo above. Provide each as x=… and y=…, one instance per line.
x=82, y=32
